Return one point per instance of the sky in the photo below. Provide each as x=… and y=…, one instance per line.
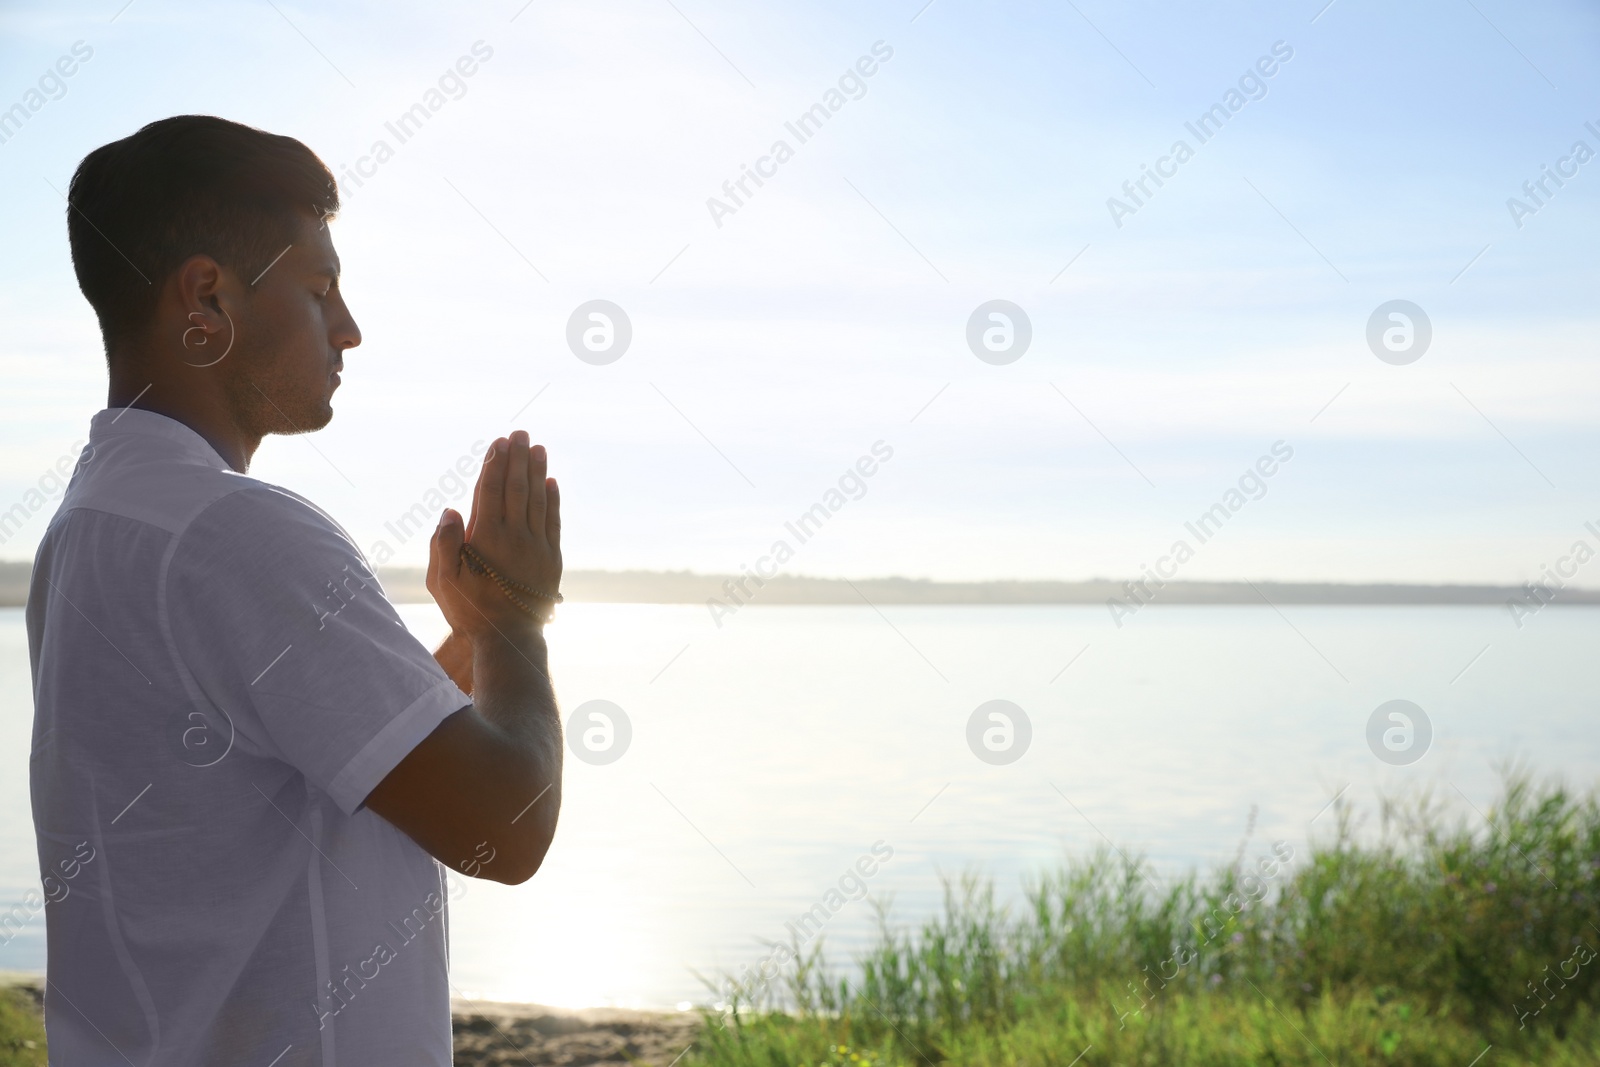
x=1181, y=334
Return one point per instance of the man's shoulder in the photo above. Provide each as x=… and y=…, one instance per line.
x=159, y=490
x=256, y=519
x=221, y=527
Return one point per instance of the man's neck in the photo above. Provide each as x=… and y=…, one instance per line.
x=203, y=414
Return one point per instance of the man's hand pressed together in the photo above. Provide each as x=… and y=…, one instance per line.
x=491, y=773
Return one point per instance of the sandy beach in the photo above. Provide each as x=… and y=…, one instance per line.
x=489, y=1034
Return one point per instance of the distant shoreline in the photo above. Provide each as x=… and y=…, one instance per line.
x=405, y=585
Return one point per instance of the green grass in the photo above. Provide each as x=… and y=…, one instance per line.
x=21, y=1030
x=1414, y=946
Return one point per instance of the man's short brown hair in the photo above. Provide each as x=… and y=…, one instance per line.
x=183, y=186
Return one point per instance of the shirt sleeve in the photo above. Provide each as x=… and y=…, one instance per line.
x=276, y=615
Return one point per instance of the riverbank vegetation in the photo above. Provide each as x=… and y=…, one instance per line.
x=1427, y=942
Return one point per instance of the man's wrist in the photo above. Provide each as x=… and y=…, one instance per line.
x=513, y=628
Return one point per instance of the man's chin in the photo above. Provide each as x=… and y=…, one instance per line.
x=308, y=419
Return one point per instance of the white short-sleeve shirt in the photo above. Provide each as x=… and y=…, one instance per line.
x=219, y=681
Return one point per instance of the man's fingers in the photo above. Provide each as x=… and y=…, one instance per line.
x=477, y=492
x=537, y=464
x=492, y=485
x=552, y=519
x=516, y=502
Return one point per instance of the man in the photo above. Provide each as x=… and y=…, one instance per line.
x=249, y=769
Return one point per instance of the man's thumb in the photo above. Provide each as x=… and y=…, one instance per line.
x=450, y=536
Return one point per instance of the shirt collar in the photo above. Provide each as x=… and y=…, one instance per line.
x=137, y=421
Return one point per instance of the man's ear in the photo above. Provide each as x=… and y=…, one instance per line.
x=204, y=292
x=199, y=280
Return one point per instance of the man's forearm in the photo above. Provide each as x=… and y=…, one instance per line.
x=512, y=691
x=510, y=670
